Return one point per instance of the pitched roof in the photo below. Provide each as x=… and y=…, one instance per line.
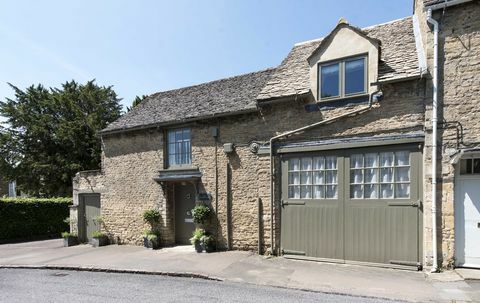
x=216, y=98
x=398, y=60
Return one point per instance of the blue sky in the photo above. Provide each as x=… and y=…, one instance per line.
x=141, y=47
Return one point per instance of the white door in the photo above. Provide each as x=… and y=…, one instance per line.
x=467, y=221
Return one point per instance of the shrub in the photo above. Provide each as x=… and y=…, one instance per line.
x=201, y=214
x=98, y=234
x=197, y=236
x=151, y=216
x=67, y=234
x=29, y=217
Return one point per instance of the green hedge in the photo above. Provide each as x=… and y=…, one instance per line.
x=30, y=217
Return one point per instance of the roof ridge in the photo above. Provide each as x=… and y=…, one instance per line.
x=361, y=28
x=213, y=81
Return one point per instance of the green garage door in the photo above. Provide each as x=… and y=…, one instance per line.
x=359, y=205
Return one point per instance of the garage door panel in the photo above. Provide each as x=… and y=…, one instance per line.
x=314, y=231
x=402, y=230
x=365, y=234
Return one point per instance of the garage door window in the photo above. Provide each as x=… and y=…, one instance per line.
x=380, y=175
x=313, y=178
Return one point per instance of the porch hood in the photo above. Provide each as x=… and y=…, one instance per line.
x=179, y=174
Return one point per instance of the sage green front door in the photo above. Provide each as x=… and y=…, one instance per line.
x=360, y=205
x=184, y=203
x=90, y=211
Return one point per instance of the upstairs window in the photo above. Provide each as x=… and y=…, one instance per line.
x=342, y=79
x=179, y=147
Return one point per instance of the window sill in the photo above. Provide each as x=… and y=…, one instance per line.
x=342, y=102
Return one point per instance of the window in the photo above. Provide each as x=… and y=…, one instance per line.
x=179, y=147
x=380, y=175
x=313, y=178
x=470, y=166
x=343, y=78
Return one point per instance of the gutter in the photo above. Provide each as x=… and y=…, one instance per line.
x=378, y=95
x=434, y=23
x=446, y=4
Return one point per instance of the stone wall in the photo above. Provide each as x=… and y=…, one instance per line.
x=459, y=100
x=131, y=160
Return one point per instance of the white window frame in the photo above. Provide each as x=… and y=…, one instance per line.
x=341, y=78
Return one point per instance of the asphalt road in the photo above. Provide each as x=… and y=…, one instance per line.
x=26, y=285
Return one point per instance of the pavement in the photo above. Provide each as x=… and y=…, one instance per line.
x=247, y=267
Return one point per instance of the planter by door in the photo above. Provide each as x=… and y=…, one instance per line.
x=358, y=206
x=184, y=202
x=89, y=209
x=467, y=220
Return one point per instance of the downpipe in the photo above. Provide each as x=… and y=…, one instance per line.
x=434, y=23
x=374, y=98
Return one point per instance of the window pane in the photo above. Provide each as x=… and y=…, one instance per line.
x=355, y=76
x=402, y=158
x=476, y=166
x=318, y=177
x=386, y=175
x=186, y=134
x=386, y=159
x=306, y=163
x=305, y=178
x=318, y=163
x=319, y=192
x=294, y=178
x=331, y=192
x=402, y=174
x=402, y=190
x=371, y=175
x=331, y=176
x=356, y=161
x=171, y=136
x=294, y=192
x=356, y=176
x=356, y=191
x=294, y=164
x=386, y=191
x=371, y=191
x=178, y=135
x=331, y=162
x=329, y=80
x=305, y=192
x=371, y=160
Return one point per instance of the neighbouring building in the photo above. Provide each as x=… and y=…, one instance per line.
x=327, y=156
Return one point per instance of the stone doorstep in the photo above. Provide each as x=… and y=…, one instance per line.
x=444, y=276
x=469, y=273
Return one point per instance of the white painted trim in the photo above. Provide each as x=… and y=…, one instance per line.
x=422, y=60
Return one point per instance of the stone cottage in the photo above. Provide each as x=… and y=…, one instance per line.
x=327, y=156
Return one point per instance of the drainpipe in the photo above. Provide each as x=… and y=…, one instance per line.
x=434, y=138
x=378, y=95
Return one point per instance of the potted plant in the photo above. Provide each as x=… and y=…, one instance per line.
x=201, y=214
x=69, y=239
x=208, y=243
x=151, y=240
x=99, y=239
x=196, y=239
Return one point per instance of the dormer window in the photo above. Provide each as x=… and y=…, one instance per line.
x=342, y=79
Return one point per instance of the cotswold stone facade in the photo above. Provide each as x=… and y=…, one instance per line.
x=249, y=110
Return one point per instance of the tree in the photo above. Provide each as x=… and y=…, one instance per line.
x=136, y=102
x=50, y=134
